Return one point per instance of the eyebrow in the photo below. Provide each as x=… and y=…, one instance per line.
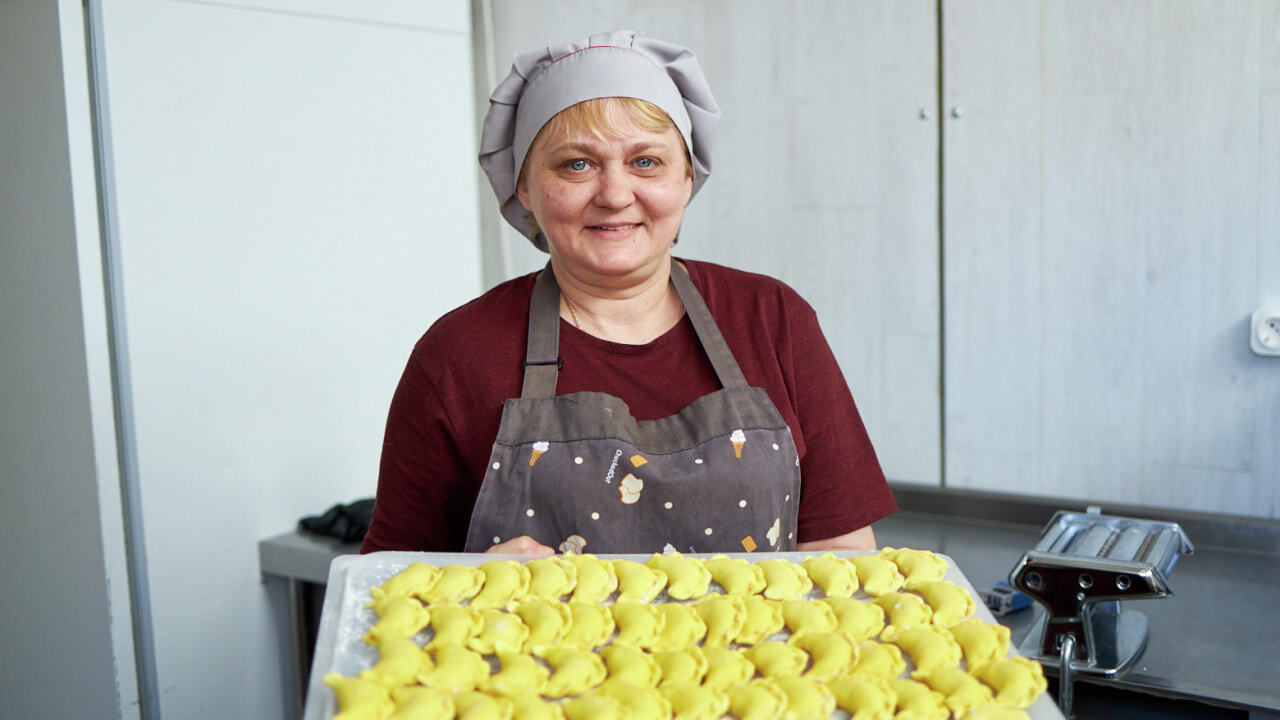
x=589, y=149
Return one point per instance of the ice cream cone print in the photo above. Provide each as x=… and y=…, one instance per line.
x=629, y=489
x=573, y=545
x=738, y=438
x=538, y=448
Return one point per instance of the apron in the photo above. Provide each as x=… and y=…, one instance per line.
x=577, y=472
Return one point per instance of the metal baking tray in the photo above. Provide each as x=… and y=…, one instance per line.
x=344, y=617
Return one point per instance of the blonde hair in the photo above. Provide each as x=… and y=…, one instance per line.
x=605, y=118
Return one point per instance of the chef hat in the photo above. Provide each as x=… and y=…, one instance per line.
x=623, y=63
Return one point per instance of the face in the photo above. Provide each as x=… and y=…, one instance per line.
x=610, y=208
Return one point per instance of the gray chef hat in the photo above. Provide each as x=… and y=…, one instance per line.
x=623, y=63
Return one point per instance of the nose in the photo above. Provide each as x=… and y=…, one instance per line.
x=614, y=187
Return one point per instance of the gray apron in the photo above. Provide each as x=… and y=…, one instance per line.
x=577, y=472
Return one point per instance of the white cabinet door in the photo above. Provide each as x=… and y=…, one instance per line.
x=296, y=201
x=825, y=175
x=1110, y=211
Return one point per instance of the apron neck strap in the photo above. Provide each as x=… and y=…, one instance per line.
x=542, y=348
x=542, y=360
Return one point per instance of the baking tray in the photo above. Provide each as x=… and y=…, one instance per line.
x=344, y=618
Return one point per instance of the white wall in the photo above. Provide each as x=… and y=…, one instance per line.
x=64, y=612
x=295, y=203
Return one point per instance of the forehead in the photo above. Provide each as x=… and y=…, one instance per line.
x=628, y=139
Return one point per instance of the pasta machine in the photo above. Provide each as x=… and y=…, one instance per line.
x=1082, y=567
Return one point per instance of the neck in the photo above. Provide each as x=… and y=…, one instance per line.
x=631, y=313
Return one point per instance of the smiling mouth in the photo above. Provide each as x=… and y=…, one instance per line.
x=622, y=226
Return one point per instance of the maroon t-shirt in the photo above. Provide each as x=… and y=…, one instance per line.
x=445, y=413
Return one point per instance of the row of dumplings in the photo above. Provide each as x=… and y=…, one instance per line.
x=937, y=695
x=590, y=579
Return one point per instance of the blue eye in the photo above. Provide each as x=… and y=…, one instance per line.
x=578, y=165
x=645, y=163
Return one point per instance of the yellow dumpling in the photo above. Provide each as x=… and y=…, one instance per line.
x=639, y=624
x=521, y=674
x=546, y=619
x=962, y=690
x=454, y=625
x=456, y=670
x=784, y=580
x=726, y=668
x=1016, y=680
x=858, y=619
x=804, y=617
x=596, y=579
x=724, y=616
x=551, y=577
x=590, y=627
x=595, y=706
x=475, y=705
x=736, y=575
x=764, y=618
x=805, y=698
x=575, y=671
x=686, y=665
x=982, y=642
x=904, y=609
x=416, y=702
x=682, y=626
x=501, y=632
x=399, y=662
x=916, y=565
x=359, y=699
x=534, y=707
x=638, y=582
x=504, y=581
x=950, y=602
x=687, y=578
x=399, y=616
x=413, y=581
x=757, y=701
x=830, y=653
x=919, y=700
x=834, y=575
x=864, y=698
x=876, y=659
x=690, y=701
x=929, y=646
x=877, y=575
x=631, y=665
x=456, y=584
x=777, y=659
x=641, y=702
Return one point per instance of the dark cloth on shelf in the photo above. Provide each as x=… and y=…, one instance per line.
x=347, y=523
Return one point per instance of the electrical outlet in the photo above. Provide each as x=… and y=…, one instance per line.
x=1264, y=332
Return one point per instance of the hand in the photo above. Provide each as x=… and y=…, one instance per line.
x=523, y=545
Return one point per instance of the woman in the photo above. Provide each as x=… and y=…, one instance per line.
x=620, y=400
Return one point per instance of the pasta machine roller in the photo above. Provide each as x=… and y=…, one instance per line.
x=1080, y=570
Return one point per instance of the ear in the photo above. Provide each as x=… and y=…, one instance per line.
x=522, y=192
